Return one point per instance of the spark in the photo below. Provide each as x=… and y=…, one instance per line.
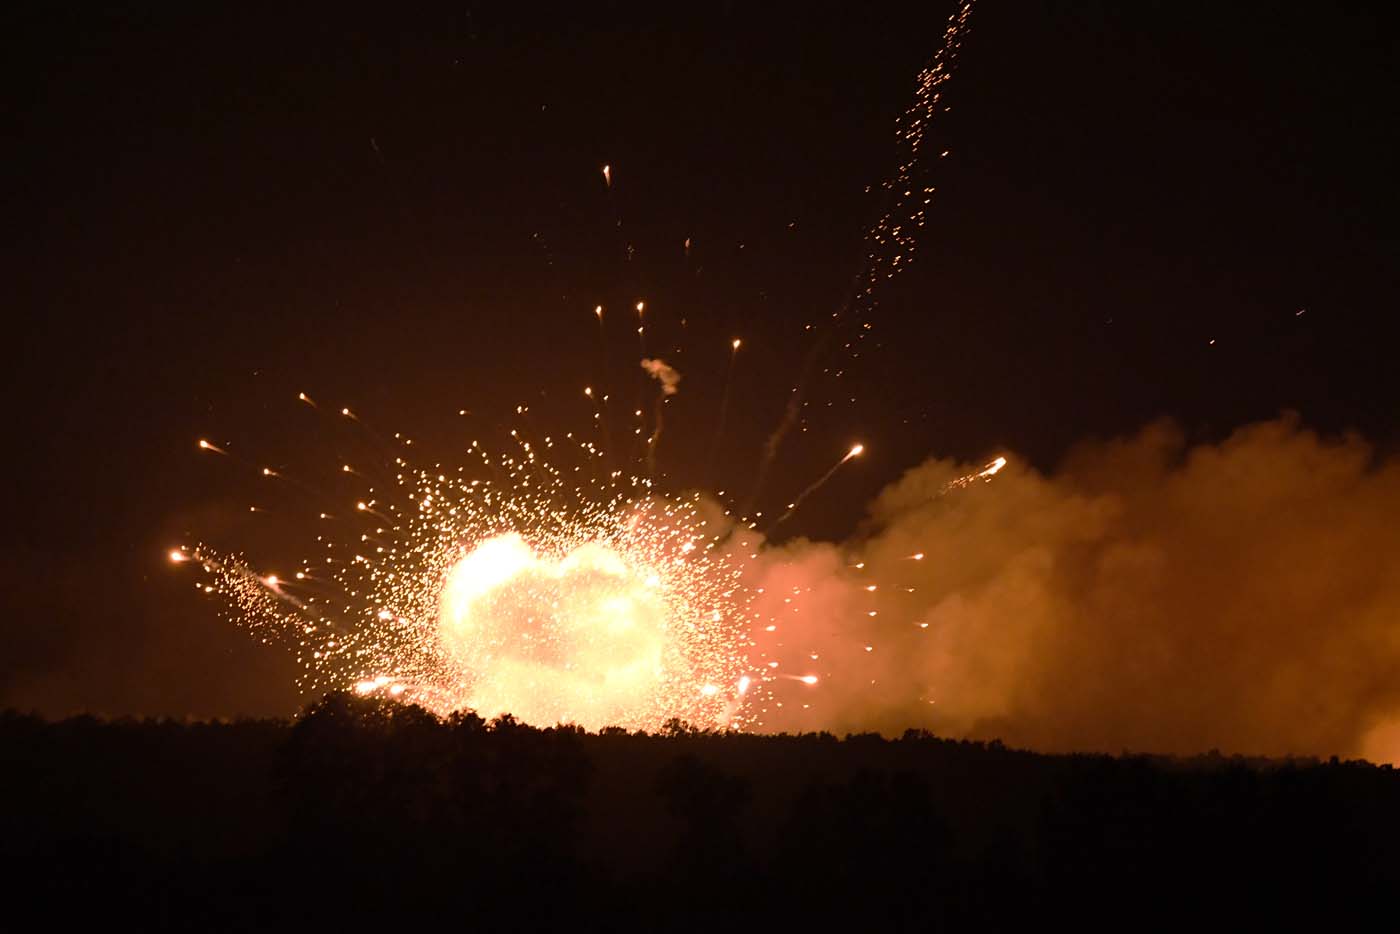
x=207, y=446
x=607, y=176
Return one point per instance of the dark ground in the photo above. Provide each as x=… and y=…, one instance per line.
x=365, y=814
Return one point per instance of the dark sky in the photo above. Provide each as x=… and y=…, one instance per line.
x=403, y=212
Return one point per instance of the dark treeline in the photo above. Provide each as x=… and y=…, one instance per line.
x=363, y=812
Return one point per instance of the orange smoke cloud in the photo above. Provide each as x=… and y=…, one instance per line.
x=1148, y=596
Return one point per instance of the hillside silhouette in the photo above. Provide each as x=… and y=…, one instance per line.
x=364, y=812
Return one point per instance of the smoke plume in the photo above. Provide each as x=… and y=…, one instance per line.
x=663, y=373
x=1148, y=596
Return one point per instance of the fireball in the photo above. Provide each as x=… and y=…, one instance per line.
x=588, y=637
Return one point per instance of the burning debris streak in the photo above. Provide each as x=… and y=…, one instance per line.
x=723, y=406
x=855, y=451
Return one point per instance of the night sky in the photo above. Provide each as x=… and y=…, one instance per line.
x=1146, y=210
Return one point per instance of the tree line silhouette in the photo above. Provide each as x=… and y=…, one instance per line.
x=364, y=812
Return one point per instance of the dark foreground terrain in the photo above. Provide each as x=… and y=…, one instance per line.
x=365, y=814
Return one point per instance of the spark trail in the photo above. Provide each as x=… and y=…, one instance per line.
x=817, y=485
x=891, y=240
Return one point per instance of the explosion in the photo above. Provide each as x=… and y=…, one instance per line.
x=598, y=637
x=585, y=596
x=600, y=604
